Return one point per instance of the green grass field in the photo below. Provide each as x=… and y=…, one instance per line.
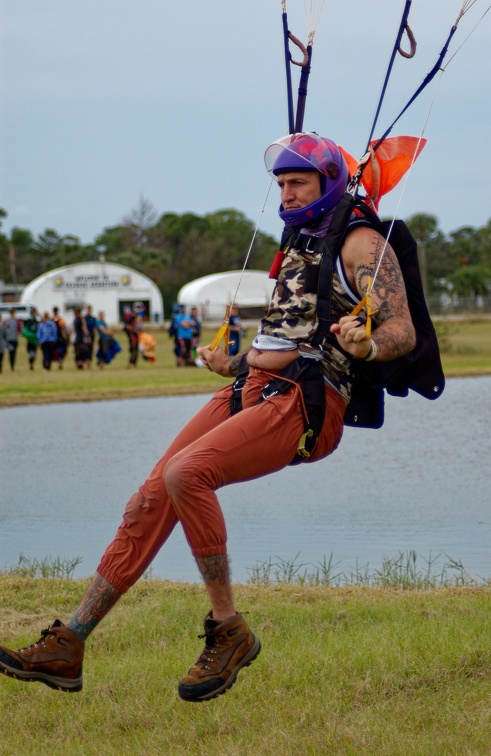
x=342, y=671
x=466, y=350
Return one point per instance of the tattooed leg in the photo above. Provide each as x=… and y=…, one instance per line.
x=216, y=575
x=98, y=600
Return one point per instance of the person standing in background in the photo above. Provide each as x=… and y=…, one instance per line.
x=3, y=343
x=196, y=334
x=29, y=332
x=105, y=335
x=235, y=331
x=47, y=334
x=61, y=338
x=90, y=322
x=133, y=327
x=82, y=340
x=173, y=332
x=12, y=329
x=185, y=328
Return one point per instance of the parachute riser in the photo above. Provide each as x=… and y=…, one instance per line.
x=437, y=67
x=295, y=120
x=288, y=57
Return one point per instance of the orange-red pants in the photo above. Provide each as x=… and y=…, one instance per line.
x=213, y=450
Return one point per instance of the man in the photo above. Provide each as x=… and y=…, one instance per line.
x=90, y=322
x=235, y=331
x=105, y=337
x=12, y=329
x=185, y=325
x=47, y=334
x=62, y=340
x=221, y=445
x=29, y=331
x=82, y=340
x=3, y=342
x=133, y=328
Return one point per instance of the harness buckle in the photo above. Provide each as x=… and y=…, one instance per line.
x=268, y=391
x=302, y=449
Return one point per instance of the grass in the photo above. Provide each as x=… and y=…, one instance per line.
x=466, y=350
x=116, y=381
x=350, y=670
x=45, y=568
x=466, y=346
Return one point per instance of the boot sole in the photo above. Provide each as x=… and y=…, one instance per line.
x=57, y=683
x=246, y=661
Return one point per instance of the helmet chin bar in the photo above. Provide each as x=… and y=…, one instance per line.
x=305, y=215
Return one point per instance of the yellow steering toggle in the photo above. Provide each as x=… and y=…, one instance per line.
x=366, y=305
x=223, y=332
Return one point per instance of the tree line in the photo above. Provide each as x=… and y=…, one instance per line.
x=173, y=249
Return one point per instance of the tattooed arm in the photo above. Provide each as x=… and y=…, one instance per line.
x=395, y=333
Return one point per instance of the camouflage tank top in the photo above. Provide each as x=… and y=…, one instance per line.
x=292, y=314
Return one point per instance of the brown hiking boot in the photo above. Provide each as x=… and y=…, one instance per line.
x=55, y=659
x=230, y=645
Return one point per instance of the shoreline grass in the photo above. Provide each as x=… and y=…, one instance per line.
x=465, y=344
x=402, y=571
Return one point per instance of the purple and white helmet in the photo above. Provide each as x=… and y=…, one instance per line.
x=309, y=152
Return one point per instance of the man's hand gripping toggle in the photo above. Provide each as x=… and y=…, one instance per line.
x=354, y=332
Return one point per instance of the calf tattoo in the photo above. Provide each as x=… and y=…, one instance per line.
x=215, y=569
x=98, y=600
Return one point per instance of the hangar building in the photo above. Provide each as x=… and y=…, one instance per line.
x=109, y=287
x=212, y=293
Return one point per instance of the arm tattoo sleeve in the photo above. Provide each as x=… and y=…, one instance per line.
x=391, y=301
x=389, y=285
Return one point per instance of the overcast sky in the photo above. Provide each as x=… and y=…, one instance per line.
x=105, y=101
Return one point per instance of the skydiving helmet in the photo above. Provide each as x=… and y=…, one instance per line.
x=309, y=152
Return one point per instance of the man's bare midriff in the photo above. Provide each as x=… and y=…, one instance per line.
x=271, y=360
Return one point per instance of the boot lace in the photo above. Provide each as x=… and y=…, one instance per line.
x=39, y=642
x=211, y=649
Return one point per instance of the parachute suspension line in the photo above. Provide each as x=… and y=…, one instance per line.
x=470, y=33
x=223, y=331
x=403, y=26
x=256, y=229
x=466, y=5
x=404, y=185
x=313, y=16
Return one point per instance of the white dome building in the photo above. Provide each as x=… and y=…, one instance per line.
x=210, y=294
x=109, y=287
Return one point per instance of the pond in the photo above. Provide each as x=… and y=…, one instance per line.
x=420, y=483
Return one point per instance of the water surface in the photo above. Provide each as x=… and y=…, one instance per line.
x=421, y=482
